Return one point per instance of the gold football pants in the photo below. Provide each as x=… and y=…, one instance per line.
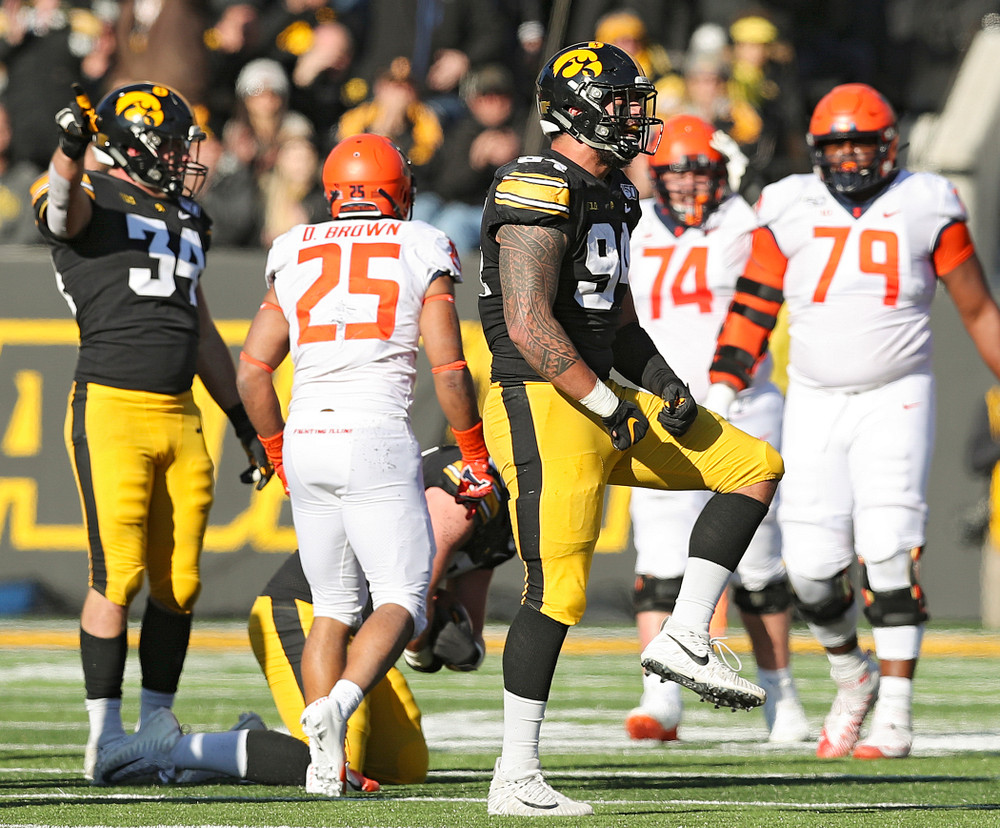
x=556, y=459
x=384, y=739
x=146, y=482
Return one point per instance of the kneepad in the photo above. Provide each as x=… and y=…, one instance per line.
x=773, y=598
x=839, y=599
x=903, y=607
x=655, y=594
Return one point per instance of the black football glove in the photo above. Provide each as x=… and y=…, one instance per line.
x=679, y=409
x=626, y=424
x=77, y=124
x=260, y=470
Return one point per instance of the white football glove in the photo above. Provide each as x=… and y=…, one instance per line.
x=736, y=161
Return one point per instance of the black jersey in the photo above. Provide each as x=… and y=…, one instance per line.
x=598, y=217
x=130, y=279
x=490, y=545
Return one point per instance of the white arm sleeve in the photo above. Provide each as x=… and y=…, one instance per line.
x=57, y=213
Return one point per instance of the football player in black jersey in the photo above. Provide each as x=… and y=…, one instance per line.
x=128, y=247
x=558, y=316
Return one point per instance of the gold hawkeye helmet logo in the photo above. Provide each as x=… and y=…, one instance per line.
x=142, y=106
x=579, y=60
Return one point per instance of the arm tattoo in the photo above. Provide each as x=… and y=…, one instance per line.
x=530, y=260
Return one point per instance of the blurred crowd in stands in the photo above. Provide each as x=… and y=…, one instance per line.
x=276, y=83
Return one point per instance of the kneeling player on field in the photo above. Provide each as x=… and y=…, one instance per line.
x=385, y=743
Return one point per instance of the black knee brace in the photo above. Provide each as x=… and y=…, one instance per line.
x=773, y=598
x=163, y=644
x=531, y=652
x=103, y=665
x=655, y=594
x=903, y=607
x=725, y=527
x=275, y=758
x=834, y=606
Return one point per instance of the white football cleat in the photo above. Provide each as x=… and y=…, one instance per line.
x=138, y=758
x=530, y=796
x=783, y=712
x=642, y=724
x=890, y=737
x=842, y=725
x=327, y=731
x=685, y=655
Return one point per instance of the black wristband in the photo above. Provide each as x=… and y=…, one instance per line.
x=657, y=374
x=241, y=422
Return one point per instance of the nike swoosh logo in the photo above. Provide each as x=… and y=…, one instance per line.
x=908, y=406
x=891, y=213
x=697, y=659
x=539, y=807
x=182, y=215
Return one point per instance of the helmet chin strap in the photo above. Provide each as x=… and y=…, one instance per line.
x=395, y=207
x=698, y=213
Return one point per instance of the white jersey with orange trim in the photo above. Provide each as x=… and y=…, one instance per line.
x=682, y=281
x=859, y=281
x=352, y=292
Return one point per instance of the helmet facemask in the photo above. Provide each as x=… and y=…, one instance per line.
x=617, y=119
x=848, y=176
x=690, y=189
x=164, y=162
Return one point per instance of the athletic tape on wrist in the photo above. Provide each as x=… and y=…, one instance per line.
x=601, y=400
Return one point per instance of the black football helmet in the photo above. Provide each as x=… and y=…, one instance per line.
x=596, y=93
x=149, y=131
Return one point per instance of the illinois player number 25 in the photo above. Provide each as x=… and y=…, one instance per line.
x=358, y=282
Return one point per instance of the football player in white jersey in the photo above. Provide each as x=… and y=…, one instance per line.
x=856, y=251
x=689, y=247
x=350, y=299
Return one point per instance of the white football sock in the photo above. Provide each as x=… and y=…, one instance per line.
x=522, y=725
x=703, y=585
x=105, y=716
x=150, y=701
x=222, y=752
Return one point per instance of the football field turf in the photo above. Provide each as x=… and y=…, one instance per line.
x=723, y=773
